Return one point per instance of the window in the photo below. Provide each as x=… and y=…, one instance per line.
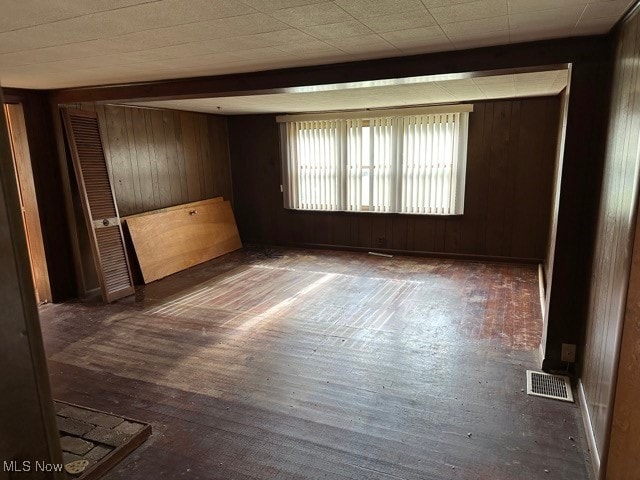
x=403, y=161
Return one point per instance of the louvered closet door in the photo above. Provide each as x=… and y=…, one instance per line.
x=98, y=202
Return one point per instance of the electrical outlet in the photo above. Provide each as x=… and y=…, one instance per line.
x=568, y=353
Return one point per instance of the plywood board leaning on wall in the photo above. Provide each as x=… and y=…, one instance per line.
x=171, y=240
x=177, y=207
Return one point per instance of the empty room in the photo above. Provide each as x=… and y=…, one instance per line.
x=310, y=239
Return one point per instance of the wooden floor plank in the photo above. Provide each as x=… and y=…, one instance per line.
x=283, y=363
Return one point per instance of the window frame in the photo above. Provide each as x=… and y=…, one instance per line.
x=393, y=180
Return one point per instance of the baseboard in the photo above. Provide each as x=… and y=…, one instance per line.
x=591, y=439
x=542, y=290
x=543, y=305
x=541, y=355
x=391, y=251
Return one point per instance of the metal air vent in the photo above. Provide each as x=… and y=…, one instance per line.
x=550, y=386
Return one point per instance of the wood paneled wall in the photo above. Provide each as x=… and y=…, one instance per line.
x=623, y=461
x=611, y=263
x=510, y=165
x=160, y=158
x=157, y=158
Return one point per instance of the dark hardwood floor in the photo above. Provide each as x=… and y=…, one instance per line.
x=282, y=363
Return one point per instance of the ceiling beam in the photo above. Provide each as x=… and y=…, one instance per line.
x=515, y=58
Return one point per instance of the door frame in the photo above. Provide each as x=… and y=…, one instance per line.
x=14, y=115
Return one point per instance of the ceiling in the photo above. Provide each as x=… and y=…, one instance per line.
x=67, y=43
x=422, y=93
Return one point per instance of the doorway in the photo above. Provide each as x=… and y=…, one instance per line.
x=26, y=188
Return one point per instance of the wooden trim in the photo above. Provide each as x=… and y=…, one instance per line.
x=543, y=308
x=513, y=58
x=542, y=289
x=410, y=253
x=377, y=113
x=588, y=428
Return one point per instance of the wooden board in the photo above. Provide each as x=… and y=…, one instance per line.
x=169, y=241
x=177, y=207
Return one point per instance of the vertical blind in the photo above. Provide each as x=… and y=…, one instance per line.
x=400, y=163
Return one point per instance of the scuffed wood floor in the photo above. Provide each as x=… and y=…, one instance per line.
x=309, y=364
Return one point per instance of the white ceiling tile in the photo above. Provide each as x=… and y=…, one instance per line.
x=309, y=48
x=349, y=28
x=540, y=78
x=462, y=41
x=119, y=22
x=371, y=42
x=101, y=40
x=444, y=3
x=417, y=37
x=309, y=15
x=400, y=21
x=56, y=53
x=25, y=13
x=367, y=8
x=259, y=40
x=461, y=88
x=216, y=59
x=530, y=34
x=194, y=32
x=261, y=54
x=493, y=80
x=525, y=6
x=563, y=17
x=171, y=52
x=481, y=26
x=613, y=8
x=272, y=5
x=594, y=26
x=469, y=11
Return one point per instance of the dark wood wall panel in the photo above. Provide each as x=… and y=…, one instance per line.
x=510, y=164
x=575, y=214
x=623, y=461
x=613, y=244
x=160, y=158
